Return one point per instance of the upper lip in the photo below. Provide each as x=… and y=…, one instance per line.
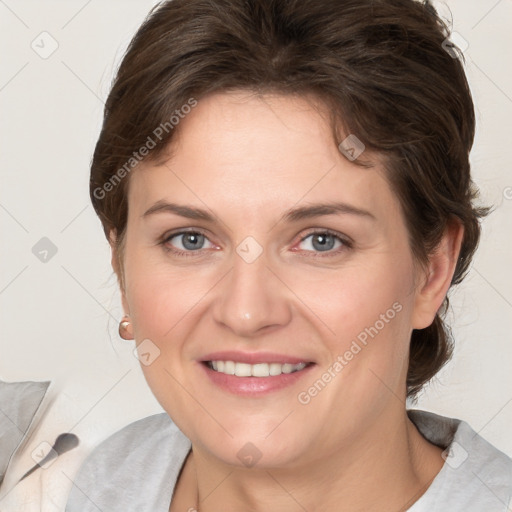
x=253, y=357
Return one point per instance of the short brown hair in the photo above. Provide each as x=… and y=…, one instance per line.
x=385, y=69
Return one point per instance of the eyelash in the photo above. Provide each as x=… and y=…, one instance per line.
x=346, y=243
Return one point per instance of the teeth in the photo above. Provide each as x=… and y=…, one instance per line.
x=229, y=367
x=242, y=370
x=275, y=369
x=254, y=370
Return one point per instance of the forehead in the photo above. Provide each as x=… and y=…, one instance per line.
x=257, y=154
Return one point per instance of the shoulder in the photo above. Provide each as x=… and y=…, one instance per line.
x=143, y=432
x=148, y=451
x=139, y=441
x=490, y=466
x=475, y=476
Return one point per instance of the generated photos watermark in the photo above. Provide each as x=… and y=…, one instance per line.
x=151, y=142
x=357, y=345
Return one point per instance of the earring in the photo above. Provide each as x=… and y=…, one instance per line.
x=123, y=328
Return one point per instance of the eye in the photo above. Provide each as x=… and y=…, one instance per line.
x=186, y=242
x=192, y=243
x=324, y=241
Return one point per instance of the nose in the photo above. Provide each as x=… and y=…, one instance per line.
x=252, y=299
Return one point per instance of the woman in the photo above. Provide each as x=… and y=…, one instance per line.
x=286, y=190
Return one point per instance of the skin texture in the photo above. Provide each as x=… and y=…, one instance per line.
x=247, y=160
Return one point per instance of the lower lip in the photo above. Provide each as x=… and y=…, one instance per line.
x=254, y=386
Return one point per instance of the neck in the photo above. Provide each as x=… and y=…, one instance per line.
x=389, y=463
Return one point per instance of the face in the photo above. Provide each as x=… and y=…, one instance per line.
x=275, y=249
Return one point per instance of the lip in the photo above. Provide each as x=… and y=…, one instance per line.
x=253, y=357
x=253, y=386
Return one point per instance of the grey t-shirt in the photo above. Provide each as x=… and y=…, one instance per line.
x=136, y=469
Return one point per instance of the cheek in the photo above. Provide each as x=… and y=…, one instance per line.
x=358, y=299
x=160, y=295
x=368, y=316
x=165, y=302
x=161, y=305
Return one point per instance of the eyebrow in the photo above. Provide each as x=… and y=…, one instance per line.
x=291, y=215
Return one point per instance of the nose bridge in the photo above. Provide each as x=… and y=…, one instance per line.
x=251, y=297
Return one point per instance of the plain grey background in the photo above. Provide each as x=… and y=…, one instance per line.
x=59, y=317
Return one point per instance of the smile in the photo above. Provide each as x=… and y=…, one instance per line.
x=254, y=370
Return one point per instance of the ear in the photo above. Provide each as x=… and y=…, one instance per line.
x=118, y=269
x=438, y=277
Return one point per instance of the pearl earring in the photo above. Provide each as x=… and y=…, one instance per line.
x=123, y=329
